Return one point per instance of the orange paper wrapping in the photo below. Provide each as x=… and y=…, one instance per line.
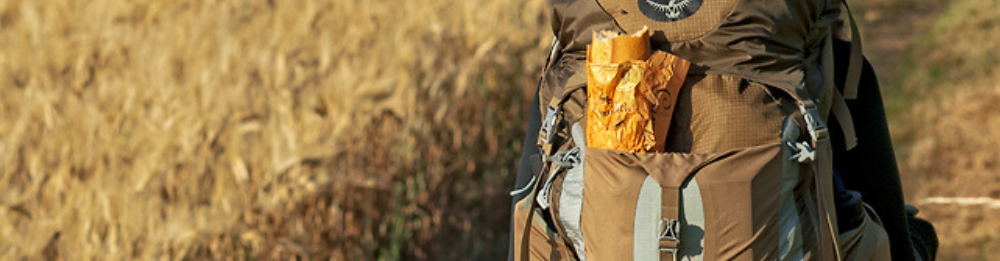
x=630, y=99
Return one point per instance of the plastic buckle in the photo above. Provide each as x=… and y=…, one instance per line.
x=803, y=152
x=572, y=157
x=817, y=129
x=546, y=133
x=563, y=160
x=670, y=230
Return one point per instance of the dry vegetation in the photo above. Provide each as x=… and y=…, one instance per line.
x=358, y=130
x=351, y=130
x=947, y=125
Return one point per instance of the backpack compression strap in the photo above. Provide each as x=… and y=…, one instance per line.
x=833, y=100
x=815, y=113
x=843, y=114
x=855, y=64
x=839, y=106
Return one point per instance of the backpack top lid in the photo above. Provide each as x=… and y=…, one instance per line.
x=775, y=42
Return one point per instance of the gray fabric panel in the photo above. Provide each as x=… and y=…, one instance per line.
x=790, y=243
x=647, y=217
x=646, y=241
x=571, y=199
x=692, y=223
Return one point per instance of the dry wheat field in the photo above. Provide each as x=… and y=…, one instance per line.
x=345, y=130
x=363, y=130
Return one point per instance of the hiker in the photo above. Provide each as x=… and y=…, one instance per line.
x=767, y=61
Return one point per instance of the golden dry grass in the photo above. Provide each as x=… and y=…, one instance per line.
x=349, y=130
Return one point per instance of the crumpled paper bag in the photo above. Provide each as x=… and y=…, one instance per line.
x=630, y=92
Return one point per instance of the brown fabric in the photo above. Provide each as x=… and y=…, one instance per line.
x=567, y=73
x=827, y=211
x=573, y=21
x=612, y=189
x=709, y=16
x=854, y=71
x=771, y=41
x=867, y=242
x=747, y=43
x=808, y=207
x=727, y=105
x=843, y=114
x=729, y=113
x=836, y=102
x=526, y=210
x=544, y=245
x=737, y=186
x=741, y=205
x=716, y=113
x=613, y=180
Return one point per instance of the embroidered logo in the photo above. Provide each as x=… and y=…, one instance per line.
x=669, y=10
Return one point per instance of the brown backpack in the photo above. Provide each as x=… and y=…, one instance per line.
x=746, y=171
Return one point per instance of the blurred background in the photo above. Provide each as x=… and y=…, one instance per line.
x=377, y=130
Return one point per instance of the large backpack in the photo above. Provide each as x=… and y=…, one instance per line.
x=746, y=173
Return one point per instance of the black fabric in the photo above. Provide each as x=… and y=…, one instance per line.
x=870, y=168
x=924, y=238
x=850, y=210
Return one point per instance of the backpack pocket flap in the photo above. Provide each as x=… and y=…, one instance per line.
x=739, y=189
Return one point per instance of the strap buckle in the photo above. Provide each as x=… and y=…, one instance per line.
x=546, y=132
x=803, y=152
x=562, y=160
x=814, y=123
x=670, y=236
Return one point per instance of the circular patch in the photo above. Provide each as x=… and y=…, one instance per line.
x=669, y=10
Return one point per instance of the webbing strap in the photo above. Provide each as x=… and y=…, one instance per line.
x=553, y=115
x=836, y=100
x=526, y=236
x=669, y=226
x=823, y=169
x=854, y=71
x=546, y=149
x=843, y=114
